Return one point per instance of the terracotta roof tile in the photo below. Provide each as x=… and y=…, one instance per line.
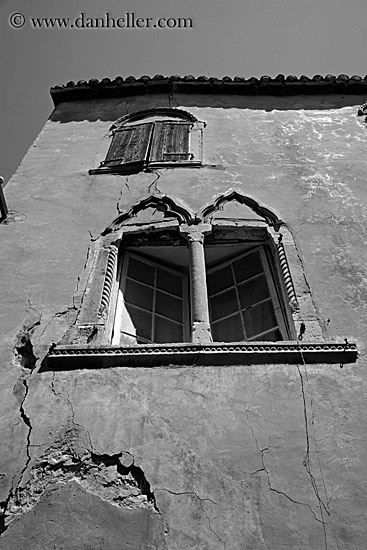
x=280, y=85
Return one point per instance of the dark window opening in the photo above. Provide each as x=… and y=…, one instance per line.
x=243, y=304
x=154, y=306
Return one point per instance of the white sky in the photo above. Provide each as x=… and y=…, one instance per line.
x=229, y=37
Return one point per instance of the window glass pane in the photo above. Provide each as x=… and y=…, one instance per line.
x=140, y=271
x=169, y=306
x=254, y=291
x=169, y=282
x=228, y=330
x=142, y=321
x=219, y=280
x=247, y=267
x=272, y=336
x=139, y=295
x=223, y=304
x=155, y=301
x=259, y=318
x=167, y=331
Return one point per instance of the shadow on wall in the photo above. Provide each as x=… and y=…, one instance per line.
x=110, y=108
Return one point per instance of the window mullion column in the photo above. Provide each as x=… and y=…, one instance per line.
x=201, y=333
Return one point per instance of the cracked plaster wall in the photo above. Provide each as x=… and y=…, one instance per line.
x=183, y=458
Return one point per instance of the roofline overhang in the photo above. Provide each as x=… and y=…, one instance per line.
x=264, y=86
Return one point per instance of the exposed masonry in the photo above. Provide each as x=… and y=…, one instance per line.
x=23, y=350
x=24, y=358
x=114, y=478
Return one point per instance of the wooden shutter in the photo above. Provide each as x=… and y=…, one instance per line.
x=129, y=145
x=171, y=142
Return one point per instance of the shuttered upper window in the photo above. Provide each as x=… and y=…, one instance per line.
x=167, y=138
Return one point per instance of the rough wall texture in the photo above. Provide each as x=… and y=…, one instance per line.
x=185, y=458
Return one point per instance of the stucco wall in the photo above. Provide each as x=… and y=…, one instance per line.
x=225, y=457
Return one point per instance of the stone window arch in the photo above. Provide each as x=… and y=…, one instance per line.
x=192, y=289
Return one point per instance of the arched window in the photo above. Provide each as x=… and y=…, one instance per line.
x=152, y=139
x=195, y=288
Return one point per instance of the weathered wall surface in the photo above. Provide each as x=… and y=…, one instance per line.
x=185, y=458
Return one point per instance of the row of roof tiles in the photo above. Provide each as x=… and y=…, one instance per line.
x=280, y=85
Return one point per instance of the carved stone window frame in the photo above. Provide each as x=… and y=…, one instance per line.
x=88, y=343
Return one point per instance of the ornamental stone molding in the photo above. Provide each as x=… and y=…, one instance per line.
x=108, y=281
x=214, y=354
x=269, y=217
x=293, y=302
x=163, y=204
x=157, y=111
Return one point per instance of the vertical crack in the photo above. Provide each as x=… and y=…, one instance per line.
x=307, y=460
x=172, y=102
x=156, y=190
x=201, y=500
x=118, y=203
x=27, y=422
x=279, y=492
x=13, y=491
x=127, y=186
x=73, y=417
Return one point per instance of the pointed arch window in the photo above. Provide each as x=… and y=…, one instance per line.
x=195, y=290
x=152, y=139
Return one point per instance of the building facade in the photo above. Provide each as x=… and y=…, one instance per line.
x=184, y=317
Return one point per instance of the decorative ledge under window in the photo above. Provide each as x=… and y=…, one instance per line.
x=151, y=139
x=216, y=354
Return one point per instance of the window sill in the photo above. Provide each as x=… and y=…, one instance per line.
x=136, y=168
x=216, y=354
